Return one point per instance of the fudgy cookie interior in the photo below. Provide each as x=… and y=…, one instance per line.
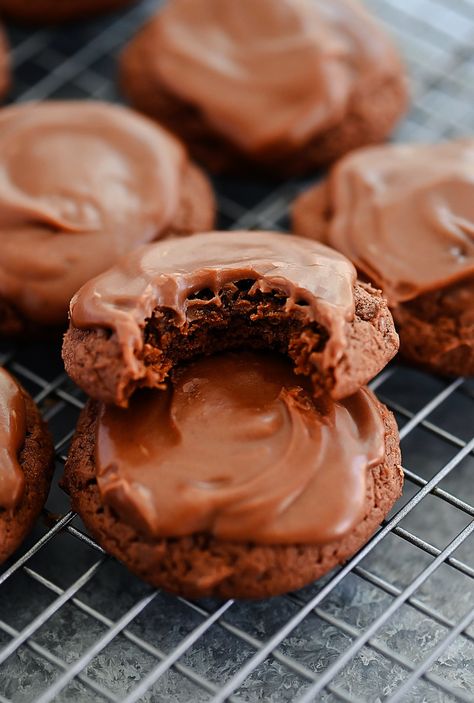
x=234, y=318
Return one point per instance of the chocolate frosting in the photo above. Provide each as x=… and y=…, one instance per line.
x=12, y=437
x=316, y=279
x=81, y=183
x=269, y=74
x=235, y=447
x=404, y=214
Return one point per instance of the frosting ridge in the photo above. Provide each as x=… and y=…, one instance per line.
x=404, y=214
x=167, y=275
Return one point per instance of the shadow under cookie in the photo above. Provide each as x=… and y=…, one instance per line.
x=53, y=12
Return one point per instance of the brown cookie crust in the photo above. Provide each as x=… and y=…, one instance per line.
x=436, y=329
x=311, y=212
x=93, y=358
x=196, y=213
x=36, y=461
x=197, y=207
x=372, y=113
x=51, y=11
x=200, y=565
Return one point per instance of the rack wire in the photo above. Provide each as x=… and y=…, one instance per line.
x=396, y=623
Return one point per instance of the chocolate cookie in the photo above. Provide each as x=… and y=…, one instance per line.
x=284, y=87
x=172, y=301
x=84, y=182
x=232, y=481
x=26, y=463
x=404, y=214
x=54, y=11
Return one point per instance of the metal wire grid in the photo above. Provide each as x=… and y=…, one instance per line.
x=396, y=622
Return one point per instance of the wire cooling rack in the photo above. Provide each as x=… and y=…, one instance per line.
x=396, y=623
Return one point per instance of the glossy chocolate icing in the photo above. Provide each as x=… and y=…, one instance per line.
x=404, y=214
x=167, y=275
x=81, y=183
x=270, y=74
x=12, y=437
x=236, y=447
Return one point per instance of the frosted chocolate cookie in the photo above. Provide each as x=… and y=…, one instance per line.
x=26, y=462
x=83, y=183
x=173, y=301
x=404, y=214
x=282, y=86
x=55, y=11
x=232, y=481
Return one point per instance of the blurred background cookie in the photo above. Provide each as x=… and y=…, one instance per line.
x=283, y=86
x=83, y=183
x=404, y=215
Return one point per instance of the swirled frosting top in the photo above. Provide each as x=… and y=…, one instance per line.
x=80, y=184
x=269, y=74
x=404, y=214
x=235, y=447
